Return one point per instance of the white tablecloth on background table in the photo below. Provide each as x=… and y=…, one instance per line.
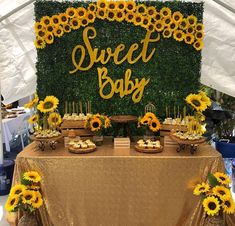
x=11, y=126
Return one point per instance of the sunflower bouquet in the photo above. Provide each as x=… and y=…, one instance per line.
x=25, y=196
x=149, y=121
x=216, y=195
x=96, y=123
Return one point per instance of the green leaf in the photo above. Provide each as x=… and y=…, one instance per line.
x=212, y=180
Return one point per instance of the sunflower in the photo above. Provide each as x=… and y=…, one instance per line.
x=63, y=18
x=58, y=31
x=38, y=26
x=84, y=22
x=183, y=24
x=111, y=5
x=166, y=21
x=199, y=35
x=49, y=28
x=138, y=19
x=71, y=12
x=92, y=7
x=190, y=30
x=32, y=176
x=150, y=115
x=151, y=27
x=107, y=123
x=192, y=20
x=228, y=206
x=49, y=104
x=101, y=14
x=75, y=23
x=222, y=178
x=198, y=45
x=189, y=38
x=222, y=192
x=110, y=15
x=28, y=197
x=81, y=12
x=199, y=27
x=155, y=125
x=151, y=11
x=90, y=17
x=67, y=28
x=200, y=116
x=205, y=98
x=167, y=33
x=102, y=4
x=145, y=21
x=97, y=115
x=33, y=119
x=177, y=17
x=46, y=20
x=38, y=201
x=179, y=35
x=157, y=16
x=121, y=5
x=141, y=9
x=196, y=102
x=165, y=12
x=29, y=105
x=55, y=20
x=54, y=119
x=39, y=43
x=17, y=189
x=41, y=34
x=211, y=205
x=11, y=203
x=34, y=187
x=130, y=6
x=195, y=127
x=159, y=26
x=129, y=17
x=96, y=124
x=49, y=38
x=201, y=188
x=119, y=15
x=173, y=25
x=145, y=120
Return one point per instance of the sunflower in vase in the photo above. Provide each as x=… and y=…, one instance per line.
x=150, y=122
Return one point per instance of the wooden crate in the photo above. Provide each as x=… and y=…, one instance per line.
x=168, y=142
x=122, y=142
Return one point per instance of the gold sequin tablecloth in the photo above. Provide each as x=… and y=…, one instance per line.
x=120, y=187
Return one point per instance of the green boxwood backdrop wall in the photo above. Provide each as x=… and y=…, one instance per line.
x=174, y=70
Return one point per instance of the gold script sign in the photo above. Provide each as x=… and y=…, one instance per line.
x=122, y=86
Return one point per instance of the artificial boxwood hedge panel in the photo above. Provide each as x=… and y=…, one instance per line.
x=174, y=70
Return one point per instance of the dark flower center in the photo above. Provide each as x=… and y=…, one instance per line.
x=50, y=28
x=222, y=192
x=188, y=39
x=227, y=203
x=177, y=17
x=159, y=26
x=199, y=35
x=201, y=189
x=167, y=32
x=81, y=13
x=121, y=6
x=55, y=20
x=71, y=13
x=154, y=124
x=167, y=21
x=179, y=35
x=46, y=21
x=111, y=15
x=95, y=124
x=13, y=201
x=48, y=104
x=197, y=44
x=63, y=18
x=102, y=5
x=222, y=178
x=41, y=33
x=151, y=27
x=141, y=9
x=39, y=26
x=28, y=197
x=111, y=6
x=151, y=12
x=212, y=205
x=158, y=17
x=84, y=22
x=119, y=15
x=92, y=8
x=18, y=191
x=190, y=30
x=138, y=19
x=196, y=102
x=172, y=26
x=130, y=17
x=191, y=21
x=50, y=38
x=130, y=7
x=165, y=13
x=101, y=13
x=199, y=27
x=54, y=119
x=145, y=21
x=75, y=23
x=90, y=16
x=67, y=28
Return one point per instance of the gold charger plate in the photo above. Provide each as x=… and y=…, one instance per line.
x=148, y=150
x=81, y=150
x=186, y=141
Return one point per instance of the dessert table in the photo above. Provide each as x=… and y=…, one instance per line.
x=120, y=187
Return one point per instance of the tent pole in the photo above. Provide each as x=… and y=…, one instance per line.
x=1, y=143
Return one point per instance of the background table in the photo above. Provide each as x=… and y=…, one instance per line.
x=120, y=187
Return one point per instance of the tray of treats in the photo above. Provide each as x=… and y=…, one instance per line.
x=81, y=147
x=148, y=146
x=187, y=138
x=46, y=135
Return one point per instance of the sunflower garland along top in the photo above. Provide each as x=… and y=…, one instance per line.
x=164, y=21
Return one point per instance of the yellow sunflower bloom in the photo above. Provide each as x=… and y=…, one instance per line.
x=198, y=45
x=199, y=35
x=49, y=28
x=141, y=9
x=119, y=15
x=151, y=11
x=196, y=102
x=55, y=20
x=178, y=35
x=167, y=33
x=200, y=116
x=36, y=99
x=150, y=115
x=211, y=205
x=228, y=206
x=129, y=17
x=63, y=18
x=33, y=187
x=138, y=19
x=46, y=20
x=205, y=98
x=177, y=17
x=39, y=43
x=159, y=26
x=107, y=123
x=192, y=20
x=33, y=119
x=96, y=124
x=71, y=12
x=92, y=7
x=84, y=22
x=145, y=21
x=189, y=38
x=110, y=15
x=102, y=4
x=222, y=178
x=151, y=27
x=41, y=34
x=166, y=21
x=121, y=5
x=58, y=31
x=145, y=120
x=130, y=6
x=38, y=201
x=165, y=12
x=111, y=5
x=173, y=25
x=157, y=16
x=201, y=188
x=54, y=119
x=195, y=127
x=81, y=12
x=32, y=176
x=75, y=23
x=28, y=197
x=183, y=24
x=155, y=125
x=67, y=28
x=49, y=104
x=11, y=203
x=222, y=192
x=17, y=189
x=49, y=38
x=90, y=17
x=190, y=30
x=29, y=105
x=38, y=26
x=199, y=27
x=101, y=14
x=97, y=115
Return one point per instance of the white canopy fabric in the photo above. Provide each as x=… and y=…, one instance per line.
x=18, y=54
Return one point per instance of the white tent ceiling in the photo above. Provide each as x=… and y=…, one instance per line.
x=18, y=54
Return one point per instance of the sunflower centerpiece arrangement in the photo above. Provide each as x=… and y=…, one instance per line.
x=97, y=123
x=26, y=197
x=216, y=198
